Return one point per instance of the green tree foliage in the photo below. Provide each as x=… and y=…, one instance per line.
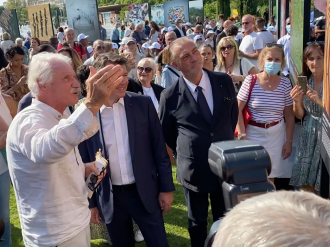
x=122, y=13
x=224, y=8
x=193, y=12
x=22, y=13
x=210, y=9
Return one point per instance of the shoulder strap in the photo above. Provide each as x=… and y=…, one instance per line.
x=240, y=67
x=81, y=48
x=173, y=71
x=253, y=83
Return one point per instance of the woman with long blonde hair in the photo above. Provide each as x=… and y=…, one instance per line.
x=230, y=63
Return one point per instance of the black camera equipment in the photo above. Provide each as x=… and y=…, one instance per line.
x=244, y=167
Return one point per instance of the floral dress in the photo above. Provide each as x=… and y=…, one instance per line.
x=307, y=167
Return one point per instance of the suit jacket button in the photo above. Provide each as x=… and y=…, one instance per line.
x=211, y=134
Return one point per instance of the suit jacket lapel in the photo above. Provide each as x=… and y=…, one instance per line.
x=130, y=122
x=189, y=98
x=217, y=95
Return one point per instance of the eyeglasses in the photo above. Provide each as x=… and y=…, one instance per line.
x=316, y=43
x=229, y=47
x=92, y=185
x=147, y=69
x=100, y=48
x=274, y=44
x=246, y=23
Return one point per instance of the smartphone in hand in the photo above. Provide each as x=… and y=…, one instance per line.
x=302, y=82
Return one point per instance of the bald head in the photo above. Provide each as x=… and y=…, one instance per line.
x=226, y=24
x=170, y=37
x=69, y=34
x=247, y=24
x=98, y=47
x=177, y=45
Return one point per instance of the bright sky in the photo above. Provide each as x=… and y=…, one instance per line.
x=2, y=1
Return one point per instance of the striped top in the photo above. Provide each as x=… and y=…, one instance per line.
x=266, y=106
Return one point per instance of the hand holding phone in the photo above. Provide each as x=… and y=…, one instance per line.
x=302, y=82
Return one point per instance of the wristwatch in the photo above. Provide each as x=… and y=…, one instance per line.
x=239, y=136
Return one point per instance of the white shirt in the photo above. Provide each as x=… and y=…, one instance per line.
x=6, y=45
x=90, y=61
x=60, y=37
x=6, y=116
x=115, y=131
x=49, y=184
x=266, y=36
x=285, y=41
x=250, y=44
x=150, y=92
x=205, y=84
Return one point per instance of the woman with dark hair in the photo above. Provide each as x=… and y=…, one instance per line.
x=207, y=53
x=306, y=171
x=35, y=43
x=154, y=32
x=71, y=53
x=13, y=78
x=46, y=48
x=60, y=35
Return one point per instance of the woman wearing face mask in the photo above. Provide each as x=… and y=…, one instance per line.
x=210, y=38
x=308, y=107
x=269, y=103
x=230, y=63
x=207, y=53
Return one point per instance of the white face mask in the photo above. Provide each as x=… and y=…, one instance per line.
x=181, y=25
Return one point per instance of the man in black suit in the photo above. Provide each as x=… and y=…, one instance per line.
x=179, y=30
x=223, y=34
x=138, y=183
x=197, y=110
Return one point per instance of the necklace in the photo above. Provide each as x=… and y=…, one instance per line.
x=267, y=81
x=229, y=69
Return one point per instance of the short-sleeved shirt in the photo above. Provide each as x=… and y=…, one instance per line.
x=250, y=44
x=77, y=47
x=8, y=79
x=266, y=36
x=266, y=106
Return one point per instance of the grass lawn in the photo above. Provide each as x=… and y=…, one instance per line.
x=175, y=221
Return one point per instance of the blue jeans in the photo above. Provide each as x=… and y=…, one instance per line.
x=4, y=207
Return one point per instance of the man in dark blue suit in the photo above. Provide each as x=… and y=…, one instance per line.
x=197, y=110
x=179, y=30
x=138, y=183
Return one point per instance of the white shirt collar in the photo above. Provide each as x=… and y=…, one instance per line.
x=202, y=83
x=121, y=101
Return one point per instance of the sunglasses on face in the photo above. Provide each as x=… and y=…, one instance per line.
x=246, y=23
x=99, y=48
x=224, y=48
x=131, y=43
x=147, y=69
x=274, y=44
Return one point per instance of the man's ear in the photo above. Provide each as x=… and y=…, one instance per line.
x=40, y=86
x=175, y=66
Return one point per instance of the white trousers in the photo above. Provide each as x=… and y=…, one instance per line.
x=272, y=139
x=83, y=239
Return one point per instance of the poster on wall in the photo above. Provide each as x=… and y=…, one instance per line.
x=41, y=23
x=9, y=23
x=174, y=10
x=138, y=13
x=196, y=9
x=83, y=18
x=157, y=14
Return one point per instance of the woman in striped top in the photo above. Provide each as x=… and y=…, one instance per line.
x=269, y=103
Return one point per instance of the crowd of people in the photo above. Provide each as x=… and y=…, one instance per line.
x=148, y=97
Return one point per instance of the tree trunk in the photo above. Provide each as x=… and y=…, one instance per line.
x=224, y=8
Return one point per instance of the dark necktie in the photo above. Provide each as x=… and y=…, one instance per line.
x=203, y=107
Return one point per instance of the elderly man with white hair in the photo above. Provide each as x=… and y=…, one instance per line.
x=277, y=219
x=44, y=163
x=19, y=43
x=138, y=34
x=69, y=35
x=98, y=48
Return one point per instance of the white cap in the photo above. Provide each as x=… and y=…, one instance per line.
x=155, y=45
x=114, y=46
x=188, y=24
x=272, y=29
x=170, y=29
x=165, y=29
x=208, y=27
x=145, y=46
x=123, y=41
x=210, y=32
x=82, y=36
x=90, y=49
x=198, y=37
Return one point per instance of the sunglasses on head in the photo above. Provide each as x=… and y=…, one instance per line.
x=229, y=47
x=315, y=43
x=147, y=69
x=274, y=44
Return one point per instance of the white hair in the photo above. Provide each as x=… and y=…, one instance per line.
x=140, y=25
x=151, y=61
x=277, y=219
x=18, y=40
x=41, y=69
